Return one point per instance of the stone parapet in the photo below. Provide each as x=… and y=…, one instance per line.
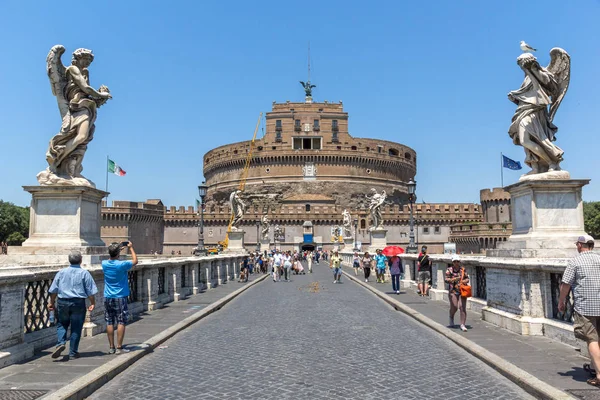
x=24, y=318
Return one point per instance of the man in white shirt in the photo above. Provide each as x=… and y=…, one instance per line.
x=277, y=262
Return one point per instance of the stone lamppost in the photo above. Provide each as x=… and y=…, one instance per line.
x=201, y=250
x=412, y=197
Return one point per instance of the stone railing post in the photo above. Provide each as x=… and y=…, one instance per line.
x=209, y=284
x=150, y=288
x=94, y=321
x=176, y=288
x=11, y=316
x=219, y=267
x=195, y=269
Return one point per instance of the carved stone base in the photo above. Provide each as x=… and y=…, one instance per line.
x=236, y=242
x=48, y=178
x=265, y=244
x=547, y=218
x=544, y=176
x=378, y=239
x=348, y=244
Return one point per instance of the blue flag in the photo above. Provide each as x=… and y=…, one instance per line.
x=510, y=164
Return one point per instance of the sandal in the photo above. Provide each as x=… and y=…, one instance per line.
x=588, y=368
x=594, y=382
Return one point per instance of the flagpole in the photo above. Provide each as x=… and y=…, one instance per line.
x=106, y=186
x=501, y=169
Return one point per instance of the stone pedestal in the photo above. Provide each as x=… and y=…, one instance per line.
x=62, y=218
x=236, y=242
x=378, y=240
x=547, y=218
x=265, y=244
x=348, y=244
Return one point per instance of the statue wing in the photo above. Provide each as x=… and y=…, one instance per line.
x=560, y=68
x=313, y=86
x=303, y=84
x=57, y=74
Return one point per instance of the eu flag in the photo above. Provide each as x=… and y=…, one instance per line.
x=510, y=164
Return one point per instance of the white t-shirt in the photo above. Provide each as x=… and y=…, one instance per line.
x=278, y=259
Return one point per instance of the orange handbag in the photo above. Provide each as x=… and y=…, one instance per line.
x=465, y=290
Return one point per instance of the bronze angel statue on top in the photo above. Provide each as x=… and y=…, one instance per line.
x=308, y=88
x=537, y=100
x=78, y=103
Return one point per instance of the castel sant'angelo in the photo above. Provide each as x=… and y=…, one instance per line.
x=303, y=173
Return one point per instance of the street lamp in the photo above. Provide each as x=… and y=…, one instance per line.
x=412, y=197
x=200, y=250
x=257, y=241
x=355, y=231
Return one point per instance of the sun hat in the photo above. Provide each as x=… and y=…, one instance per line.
x=587, y=239
x=455, y=257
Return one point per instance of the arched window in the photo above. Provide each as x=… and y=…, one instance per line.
x=363, y=224
x=307, y=208
x=407, y=156
x=393, y=152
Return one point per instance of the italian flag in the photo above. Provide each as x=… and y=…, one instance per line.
x=115, y=169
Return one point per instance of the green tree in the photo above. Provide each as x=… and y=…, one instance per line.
x=591, y=218
x=15, y=239
x=13, y=220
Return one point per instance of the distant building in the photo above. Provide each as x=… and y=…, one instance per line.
x=496, y=226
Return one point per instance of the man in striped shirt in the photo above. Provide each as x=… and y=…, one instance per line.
x=582, y=274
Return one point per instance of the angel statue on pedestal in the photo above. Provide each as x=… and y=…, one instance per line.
x=78, y=103
x=238, y=208
x=347, y=223
x=537, y=100
x=377, y=201
x=265, y=224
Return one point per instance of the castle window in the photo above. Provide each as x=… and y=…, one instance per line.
x=334, y=125
x=407, y=156
x=368, y=148
x=437, y=230
x=278, y=136
x=316, y=126
x=297, y=125
x=426, y=230
x=353, y=148
x=363, y=224
x=379, y=148
x=307, y=208
x=306, y=143
x=393, y=152
x=334, y=137
x=278, y=125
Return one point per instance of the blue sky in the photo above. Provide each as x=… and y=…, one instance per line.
x=189, y=76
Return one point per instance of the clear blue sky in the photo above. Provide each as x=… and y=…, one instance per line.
x=189, y=76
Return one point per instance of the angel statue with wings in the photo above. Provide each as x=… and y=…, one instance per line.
x=347, y=223
x=537, y=100
x=265, y=224
x=238, y=208
x=78, y=103
x=377, y=201
x=308, y=88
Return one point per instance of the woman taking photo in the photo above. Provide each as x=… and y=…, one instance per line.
x=456, y=276
x=366, y=264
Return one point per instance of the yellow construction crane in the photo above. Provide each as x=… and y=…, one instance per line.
x=225, y=242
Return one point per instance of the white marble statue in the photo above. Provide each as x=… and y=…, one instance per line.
x=265, y=224
x=277, y=232
x=347, y=223
x=78, y=103
x=238, y=208
x=375, y=204
x=537, y=100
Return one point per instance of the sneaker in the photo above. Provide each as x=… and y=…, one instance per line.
x=334, y=281
x=74, y=356
x=366, y=280
x=59, y=349
x=112, y=350
x=451, y=322
x=397, y=292
x=463, y=328
x=121, y=350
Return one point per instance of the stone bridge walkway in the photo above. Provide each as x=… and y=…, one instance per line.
x=309, y=339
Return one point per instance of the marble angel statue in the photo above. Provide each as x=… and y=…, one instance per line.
x=238, y=208
x=347, y=223
x=265, y=224
x=537, y=101
x=78, y=103
x=375, y=204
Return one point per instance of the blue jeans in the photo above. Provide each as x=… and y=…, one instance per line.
x=395, y=282
x=70, y=312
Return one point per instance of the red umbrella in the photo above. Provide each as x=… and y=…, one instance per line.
x=390, y=251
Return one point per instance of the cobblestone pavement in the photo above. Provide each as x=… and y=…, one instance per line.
x=309, y=339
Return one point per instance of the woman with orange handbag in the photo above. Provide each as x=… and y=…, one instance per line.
x=458, y=291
